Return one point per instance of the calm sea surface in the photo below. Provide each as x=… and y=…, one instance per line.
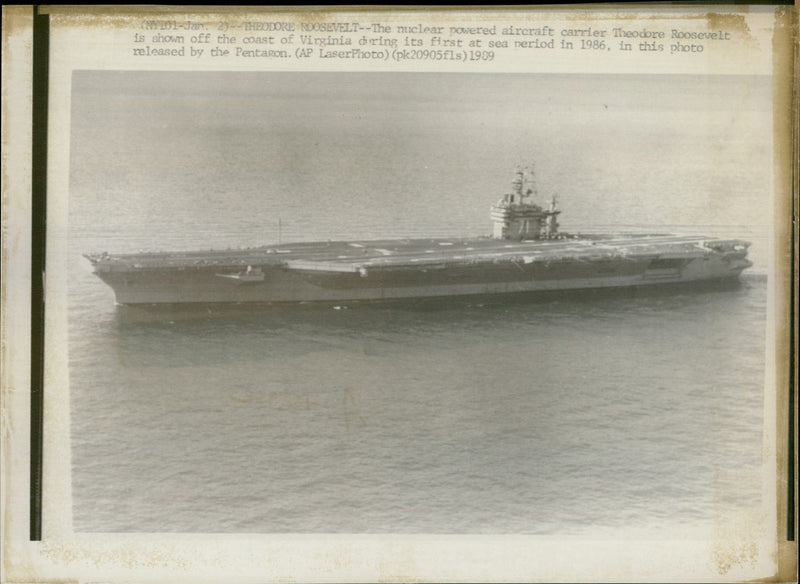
x=545, y=417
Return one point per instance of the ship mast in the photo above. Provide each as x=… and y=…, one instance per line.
x=531, y=182
x=517, y=185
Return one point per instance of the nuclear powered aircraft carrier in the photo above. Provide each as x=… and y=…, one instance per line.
x=525, y=254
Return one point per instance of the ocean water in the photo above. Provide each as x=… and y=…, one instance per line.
x=553, y=416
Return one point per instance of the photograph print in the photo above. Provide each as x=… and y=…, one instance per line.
x=418, y=303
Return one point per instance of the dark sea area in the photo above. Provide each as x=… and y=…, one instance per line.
x=553, y=415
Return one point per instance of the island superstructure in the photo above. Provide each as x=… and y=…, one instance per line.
x=526, y=253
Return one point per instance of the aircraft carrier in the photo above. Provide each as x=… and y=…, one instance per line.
x=525, y=254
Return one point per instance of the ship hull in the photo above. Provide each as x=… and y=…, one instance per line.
x=410, y=269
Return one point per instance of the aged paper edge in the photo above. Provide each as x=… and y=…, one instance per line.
x=785, y=133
